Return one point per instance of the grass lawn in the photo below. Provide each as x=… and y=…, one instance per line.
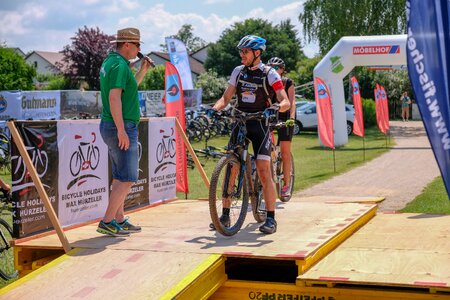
x=433, y=200
x=313, y=163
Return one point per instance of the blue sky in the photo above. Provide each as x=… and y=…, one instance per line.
x=48, y=25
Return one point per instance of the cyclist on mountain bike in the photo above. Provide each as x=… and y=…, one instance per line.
x=285, y=134
x=255, y=86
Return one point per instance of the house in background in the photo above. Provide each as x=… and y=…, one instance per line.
x=45, y=62
x=160, y=58
x=201, y=54
x=18, y=51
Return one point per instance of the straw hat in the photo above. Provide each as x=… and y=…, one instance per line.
x=131, y=35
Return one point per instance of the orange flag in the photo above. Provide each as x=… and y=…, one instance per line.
x=324, y=113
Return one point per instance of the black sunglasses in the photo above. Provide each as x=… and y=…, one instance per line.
x=136, y=44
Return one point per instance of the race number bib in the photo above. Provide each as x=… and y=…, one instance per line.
x=248, y=97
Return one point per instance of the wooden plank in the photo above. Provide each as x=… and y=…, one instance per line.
x=197, y=163
x=108, y=274
x=303, y=228
x=401, y=250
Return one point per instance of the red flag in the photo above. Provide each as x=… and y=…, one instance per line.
x=385, y=108
x=358, y=120
x=174, y=100
x=379, y=109
x=324, y=113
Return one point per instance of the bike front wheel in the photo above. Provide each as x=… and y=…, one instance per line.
x=258, y=203
x=224, y=191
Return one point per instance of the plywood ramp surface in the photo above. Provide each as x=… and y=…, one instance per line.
x=407, y=250
x=108, y=274
x=183, y=226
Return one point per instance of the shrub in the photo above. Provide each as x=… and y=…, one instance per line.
x=368, y=107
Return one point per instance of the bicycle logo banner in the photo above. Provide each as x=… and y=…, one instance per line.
x=29, y=211
x=72, y=162
x=162, y=163
x=83, y=172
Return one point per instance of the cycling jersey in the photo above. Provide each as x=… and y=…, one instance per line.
x=255, y=88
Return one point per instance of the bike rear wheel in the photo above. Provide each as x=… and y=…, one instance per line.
x=224, y=184
x=280, y=181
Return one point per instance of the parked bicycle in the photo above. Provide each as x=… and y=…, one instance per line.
x=7, y=271
x=235, y=179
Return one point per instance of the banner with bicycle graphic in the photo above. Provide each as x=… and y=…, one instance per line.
x=72, y=162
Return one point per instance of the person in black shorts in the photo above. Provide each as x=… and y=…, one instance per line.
x=285, y=134
x=255, y=85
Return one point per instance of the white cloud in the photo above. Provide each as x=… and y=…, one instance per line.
x=19, y=28
x=211, y=2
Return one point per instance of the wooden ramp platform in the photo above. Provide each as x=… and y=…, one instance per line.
x=392, y=250
x=393, y=256
x=177, y=256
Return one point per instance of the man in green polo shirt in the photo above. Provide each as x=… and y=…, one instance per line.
x=119, y=126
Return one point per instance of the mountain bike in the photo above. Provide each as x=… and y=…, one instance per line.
x=257, y=200
x=234, y=179
x=7, y=271
x=277, y=163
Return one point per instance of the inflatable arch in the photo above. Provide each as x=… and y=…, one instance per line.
x=350, y=52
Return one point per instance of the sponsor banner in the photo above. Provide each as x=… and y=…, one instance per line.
x=161, y=158
x=175, y=108
x=154, y=105
x=428, y=48
x=138, y=194
x=358, y=121
x=180, y=59
x=10, y=105
x=83, y=172
x=192, y=99
x=367, y=50
x=379, y=111
x=79, y=104
x=324, y=113
x=29, y=213
x=41, y=105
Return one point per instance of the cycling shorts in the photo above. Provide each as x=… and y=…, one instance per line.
x=258, y=133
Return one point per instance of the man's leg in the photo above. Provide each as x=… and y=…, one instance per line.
x=285, y=147
x=265, y=174
x=116, y=200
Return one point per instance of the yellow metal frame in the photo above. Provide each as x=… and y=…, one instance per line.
x=264, y=290
x=304, y=265
x=202, y=282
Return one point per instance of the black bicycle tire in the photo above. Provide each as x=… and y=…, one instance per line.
x=291, y=183
x=232, y=230
x=4, y=275
x=258, y=214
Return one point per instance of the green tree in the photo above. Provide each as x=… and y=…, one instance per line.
x=326, y=21
x=84, y=57
x=186, y=35
x=212, y=85
x=154, y=79
x=281, y=39
x=15, y=73
x=303, y=76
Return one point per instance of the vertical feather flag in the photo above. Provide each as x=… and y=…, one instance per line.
x=324, y=113
x=358, y=120
x=428, y=56
x=174, y=100
x=385, y=107
x=379, y=110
